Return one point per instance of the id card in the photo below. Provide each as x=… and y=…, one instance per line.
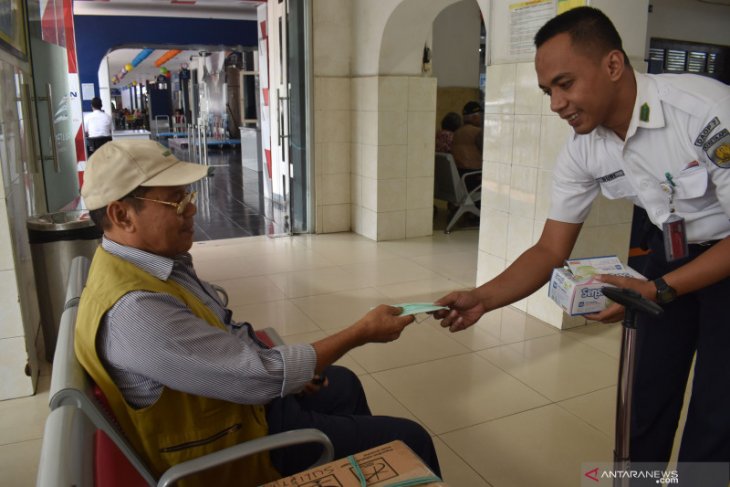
x=675, y=238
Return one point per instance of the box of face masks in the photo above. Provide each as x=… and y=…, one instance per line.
x=575, y=289
x=389, y=464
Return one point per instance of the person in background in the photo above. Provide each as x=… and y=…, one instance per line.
x=184, y=378
x=98, y=126
x=668, y=135
x=444, y=137
x=467, y=144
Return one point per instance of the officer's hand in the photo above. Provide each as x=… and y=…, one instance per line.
x=645, y=288
x=612, y=314
x=465, y=308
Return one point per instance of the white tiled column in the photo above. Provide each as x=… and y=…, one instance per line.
x=522, y=138
x=332, y=153
x=392, y=153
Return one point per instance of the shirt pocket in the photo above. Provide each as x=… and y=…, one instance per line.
x=690, y=190
x=618, y=188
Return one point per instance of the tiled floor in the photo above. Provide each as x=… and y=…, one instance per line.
x=511, y=402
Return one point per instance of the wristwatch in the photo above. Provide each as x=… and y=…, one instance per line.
x=664, y=292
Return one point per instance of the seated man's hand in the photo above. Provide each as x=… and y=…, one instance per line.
x=465, y=310
x=383, y=324
x=313, y=386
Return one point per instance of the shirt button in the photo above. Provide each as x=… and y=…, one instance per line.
x=658, y=212
x=644, y=183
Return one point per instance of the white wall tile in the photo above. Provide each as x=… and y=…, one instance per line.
x=421, y=143
x=393, y=93
x=392, y=161
x=523, y=190
x=392, y=225
x=614, y=211
x=336, y=189
x=337, y=126
x=369, y=193
x=355, y=158
x=364, y=94
x=493, y=230
x=391, y=195
x=488, y=267
x=369, y=223
x=11, y=321
x=392, y=127
x=333, y=157
x=543, y=197
x=519, y=236
x=528, y=95
x=331, y=93
x=526, y=143
x=336, y=218
x=554, y=134
x=419, y=193
x=542, y=307
x=421, y=94
x=496, y=180
x=356, y=219
x=367, y=127
x=13, y=381
x=500, y=89
x=498, y=137
x=318, y=224
x=356, y=189
x=419, y=222
x=369, y=160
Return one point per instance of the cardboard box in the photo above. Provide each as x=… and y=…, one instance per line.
x=381, y=466
x=574, y=288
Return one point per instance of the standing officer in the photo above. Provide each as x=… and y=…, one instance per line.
x=663, y=142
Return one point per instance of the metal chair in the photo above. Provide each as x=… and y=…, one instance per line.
x=451, y=187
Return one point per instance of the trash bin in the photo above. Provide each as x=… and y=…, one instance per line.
x=55, y=239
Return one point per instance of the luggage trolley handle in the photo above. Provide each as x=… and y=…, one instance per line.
x=634, y=303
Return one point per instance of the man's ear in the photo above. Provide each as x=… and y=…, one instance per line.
x=121, y=216
x=615, y=64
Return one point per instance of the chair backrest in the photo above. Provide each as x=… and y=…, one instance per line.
x=71, y=385
x=67, y=454
x=447, y=184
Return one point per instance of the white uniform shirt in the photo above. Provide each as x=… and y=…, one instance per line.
x=683, y=132
x=98, y=124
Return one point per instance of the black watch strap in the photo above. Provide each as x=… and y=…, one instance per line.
x=664, y=292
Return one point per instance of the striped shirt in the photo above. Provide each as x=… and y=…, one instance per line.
x=148, y=341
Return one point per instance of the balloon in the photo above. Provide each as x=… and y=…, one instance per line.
x=168, y=75
x=128, y=67
x=164, y=70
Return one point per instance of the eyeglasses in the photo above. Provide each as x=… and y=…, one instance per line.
x=180, y=207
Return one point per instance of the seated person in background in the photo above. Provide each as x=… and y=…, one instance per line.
x=467, y=145
x=444, y=137
x=98, y=126
x=181, y=376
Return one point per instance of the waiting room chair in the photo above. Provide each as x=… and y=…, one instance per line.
x=449, y=186
x=72, y=386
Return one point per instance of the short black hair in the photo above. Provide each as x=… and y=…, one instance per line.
x=96, y=103
x=472, y=107
x=589, y=28
x=451, y=121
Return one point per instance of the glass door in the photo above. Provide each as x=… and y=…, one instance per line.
x=57, y=124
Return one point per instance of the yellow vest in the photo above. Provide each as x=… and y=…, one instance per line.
x=178, y=426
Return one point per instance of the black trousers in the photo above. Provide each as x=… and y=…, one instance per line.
x=341, y=412
x=697, y=322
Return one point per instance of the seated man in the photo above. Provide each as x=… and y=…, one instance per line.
x=467, y=144
x=181, y=376
x=98, y=126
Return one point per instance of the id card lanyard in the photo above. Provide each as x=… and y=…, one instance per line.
x=674, y=228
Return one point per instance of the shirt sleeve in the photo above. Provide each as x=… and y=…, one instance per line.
x=177, y=349
x=714, y=150
x=574, y=188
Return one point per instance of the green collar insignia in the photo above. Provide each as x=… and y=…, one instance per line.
x=644, y=112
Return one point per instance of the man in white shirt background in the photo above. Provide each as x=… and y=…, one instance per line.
x=98, y=126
